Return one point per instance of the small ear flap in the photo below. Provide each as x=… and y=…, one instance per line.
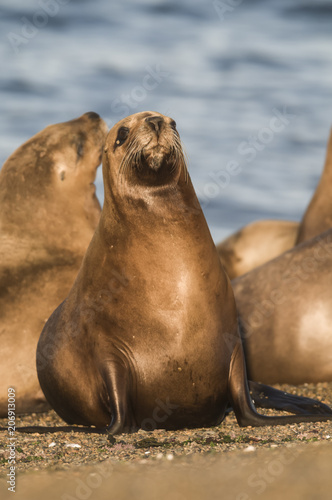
x=62, y=166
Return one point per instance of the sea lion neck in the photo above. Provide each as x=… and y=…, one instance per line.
x=170, y=206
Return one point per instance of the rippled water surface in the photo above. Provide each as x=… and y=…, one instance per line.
x=249, y=87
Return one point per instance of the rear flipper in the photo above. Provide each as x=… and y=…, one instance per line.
x=265, y=396
x=245, y=411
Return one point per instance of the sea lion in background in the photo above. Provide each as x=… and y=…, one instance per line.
x=261, y=241
x=148, y=335
x=48, y=214
x=255, y=244
x=285, y=314
x=318, y=216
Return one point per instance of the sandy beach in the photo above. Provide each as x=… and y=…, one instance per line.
x=246, y=462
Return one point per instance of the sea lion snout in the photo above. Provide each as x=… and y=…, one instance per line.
x=156, y=123
x=92, y=115
x=161, y=145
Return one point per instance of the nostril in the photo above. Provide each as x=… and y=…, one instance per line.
x=92, y=115
x=155, y=122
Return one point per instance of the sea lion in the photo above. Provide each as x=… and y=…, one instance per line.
x=318, y=216
x=48, y=214
x=148, y=335
x=285, y=313
x=255, y=244
x=261, y=241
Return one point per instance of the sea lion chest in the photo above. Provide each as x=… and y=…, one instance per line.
x=159, y=309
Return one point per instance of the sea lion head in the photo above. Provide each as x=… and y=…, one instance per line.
x=143, y=150
x=78, y=150
x=55, y=171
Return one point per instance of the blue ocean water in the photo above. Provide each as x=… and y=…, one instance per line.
x=248, y=83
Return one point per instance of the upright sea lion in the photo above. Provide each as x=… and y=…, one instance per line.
x=48, y=214
x=318, y=216
x=261, y=241
x=148, y=335
x=285, y=312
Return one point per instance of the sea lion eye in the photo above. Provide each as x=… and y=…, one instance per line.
x=123, y=133
x=173, y=124
x=80, y=148
x=79, y=142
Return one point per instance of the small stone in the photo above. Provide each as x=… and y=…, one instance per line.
x=249, y=448
x=170, y=456
x=52, y=444
x=111, y=439
x=148, y=443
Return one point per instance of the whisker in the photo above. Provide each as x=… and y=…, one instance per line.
x=181, y=156
x=127, y=160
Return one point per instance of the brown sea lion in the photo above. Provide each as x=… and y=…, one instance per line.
x=255, y=244
x=318, y=216
x=285, y=312
x=48, y=214
x=148, y=335
x=261, y=241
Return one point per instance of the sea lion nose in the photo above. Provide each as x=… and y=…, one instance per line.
x=155, y=122
x=92, y=115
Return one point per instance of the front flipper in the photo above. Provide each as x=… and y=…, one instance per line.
x=116, y=377
x=245, y=411
x=265, y=396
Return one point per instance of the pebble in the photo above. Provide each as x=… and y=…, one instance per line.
x=249, y=448
x=42, y=451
